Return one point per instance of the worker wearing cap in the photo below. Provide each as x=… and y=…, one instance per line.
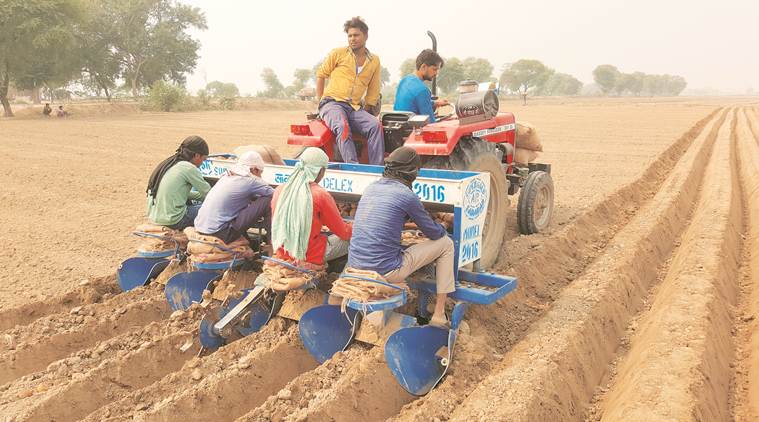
x=239, y=201
x=354, y=73
x=171, y=185
x=382, y=212
x=300, y=208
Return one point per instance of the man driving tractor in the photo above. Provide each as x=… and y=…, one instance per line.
x=412, y=94
x=354, y=73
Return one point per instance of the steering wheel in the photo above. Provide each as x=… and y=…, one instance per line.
x=441, y=117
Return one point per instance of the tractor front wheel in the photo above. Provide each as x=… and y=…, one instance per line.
x=535, y=205
x=474, y=154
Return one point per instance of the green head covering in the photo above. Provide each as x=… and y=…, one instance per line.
x=294, y=210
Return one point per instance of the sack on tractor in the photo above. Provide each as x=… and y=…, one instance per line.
x=524, y=156
x=204, y=249
x=362, y=289
x=165, y=243
x=527, y=138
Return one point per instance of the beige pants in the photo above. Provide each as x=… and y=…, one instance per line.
x=419, y=255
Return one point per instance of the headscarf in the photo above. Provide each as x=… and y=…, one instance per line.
x=190, y=146
x=294, y=210
x=245, y=162
x=402, y=165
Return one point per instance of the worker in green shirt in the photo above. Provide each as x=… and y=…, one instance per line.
x=171, y=183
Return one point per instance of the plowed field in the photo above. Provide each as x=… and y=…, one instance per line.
x=640, y=303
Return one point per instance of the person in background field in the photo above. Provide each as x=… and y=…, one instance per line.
x=237, y=202
x=382, y=212
x=170, y=185
x=412, y=94
x=300, y=207
x=61, y=112
x=352, y=72
x=47, y=110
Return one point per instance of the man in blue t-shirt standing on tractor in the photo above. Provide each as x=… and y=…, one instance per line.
x=412, y=94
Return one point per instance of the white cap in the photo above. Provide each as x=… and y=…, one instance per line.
x=248, y=160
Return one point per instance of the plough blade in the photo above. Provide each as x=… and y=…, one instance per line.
x=254, y=316
x=208, y=337
x=137, y=271
x=326, y=330
x=183, y=289
x=419, y=357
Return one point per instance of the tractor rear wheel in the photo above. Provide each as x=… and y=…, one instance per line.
x=535, y=205
x=473, y=154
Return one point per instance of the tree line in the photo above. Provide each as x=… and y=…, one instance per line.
x=611, y=81
x=102, y=45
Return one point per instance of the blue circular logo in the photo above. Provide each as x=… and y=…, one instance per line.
x=475, y=199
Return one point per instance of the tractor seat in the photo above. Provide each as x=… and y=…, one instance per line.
x=395, y=116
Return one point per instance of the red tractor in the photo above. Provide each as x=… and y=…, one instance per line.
x=476, y=137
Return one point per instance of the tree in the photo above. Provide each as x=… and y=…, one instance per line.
x=561, y=84
x=636, y=83
x=151, y=40
x=100, y=65
x=525, y=75
x=652, y=84
x=624, y=83
x=220, y=89
x=450, y=75
x=384, y=75
x=477, y=69
x=673, y=85
x=274, y=88
x=301, y=78
x=407, y=67
x=605, y=76
x=315, y=69
x=36, y=43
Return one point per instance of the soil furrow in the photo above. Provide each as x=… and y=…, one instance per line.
x=553, y=372
x=545, y=265
x=89, y=291
x=220, y=386
x=677, y=367
x=162, y=348
x=293, y=400
x=31, y=348
x=747, y=352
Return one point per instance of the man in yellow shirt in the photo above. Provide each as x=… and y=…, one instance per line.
x=353, y=73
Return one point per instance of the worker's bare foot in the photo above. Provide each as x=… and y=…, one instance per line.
x=440, y=321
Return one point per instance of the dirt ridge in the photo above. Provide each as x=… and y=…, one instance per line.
x=552, y=373
x=678, y=363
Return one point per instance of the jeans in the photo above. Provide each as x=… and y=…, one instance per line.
x=248, y=218
x=342, y=119
x=188, y=219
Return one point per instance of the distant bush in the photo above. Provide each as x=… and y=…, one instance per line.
x=204, y=98
x=164, y=96
x=228, y=103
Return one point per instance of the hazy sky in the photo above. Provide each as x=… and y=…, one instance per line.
x=712, y=44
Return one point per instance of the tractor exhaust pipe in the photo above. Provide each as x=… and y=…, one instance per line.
x=434, y=48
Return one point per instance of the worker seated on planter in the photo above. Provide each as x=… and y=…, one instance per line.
x=240, y=200
x=170, y=185
x=412, y=94
x=382, y=211
x=300, y=208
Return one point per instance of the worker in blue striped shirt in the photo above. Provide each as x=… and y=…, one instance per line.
x=376, y=243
